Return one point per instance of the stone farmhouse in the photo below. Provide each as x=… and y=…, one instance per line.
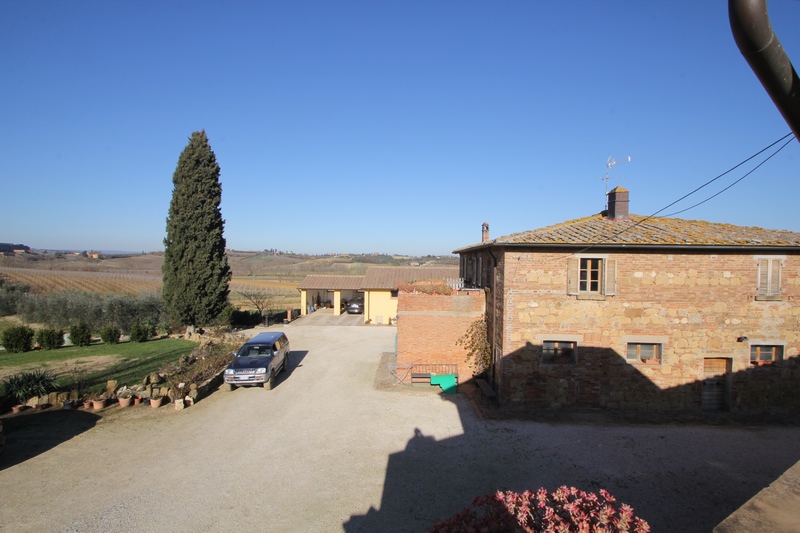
x=624, y=311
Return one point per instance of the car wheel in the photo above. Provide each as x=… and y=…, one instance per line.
x=270, y=383
x=228, y=387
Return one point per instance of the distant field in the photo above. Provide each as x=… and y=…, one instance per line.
x=277, y=275
x=47, y=281
x=131, y=283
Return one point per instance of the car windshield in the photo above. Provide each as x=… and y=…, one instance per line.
x=255, y=351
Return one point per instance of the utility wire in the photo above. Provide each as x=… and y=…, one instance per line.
x=709, y=182
x=735, y=182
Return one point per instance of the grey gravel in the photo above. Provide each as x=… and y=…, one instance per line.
x=337, y=447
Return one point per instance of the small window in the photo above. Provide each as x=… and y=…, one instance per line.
x=769, y=279
x=558, y=352
x=648, y=353
x=394, y=293
x=761, y=354
x=591, y=277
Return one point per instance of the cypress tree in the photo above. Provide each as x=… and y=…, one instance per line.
x=196, y=271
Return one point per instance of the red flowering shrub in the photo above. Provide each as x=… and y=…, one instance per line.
x=566, y=510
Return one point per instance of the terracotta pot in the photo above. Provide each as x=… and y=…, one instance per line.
x=98, y=404
x=136, y=400
x=155, y=403
x=125, y=402
x=87, y=404
x=16, y=408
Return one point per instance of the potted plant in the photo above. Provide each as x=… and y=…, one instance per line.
x=125, y=397
x=25, y=385
x=155, y=401
x=98, y=402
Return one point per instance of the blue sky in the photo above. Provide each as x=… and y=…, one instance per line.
x=379, y=126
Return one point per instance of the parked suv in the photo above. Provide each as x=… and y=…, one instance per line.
x=258, y=361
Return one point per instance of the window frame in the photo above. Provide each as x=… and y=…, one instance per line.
x=768, y=278
x=777, y=354
x=573, y=352
x=658, y=350
x=606, y=274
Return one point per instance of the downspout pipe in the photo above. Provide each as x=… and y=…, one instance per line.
x=761, y=48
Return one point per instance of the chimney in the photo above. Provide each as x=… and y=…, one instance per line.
x=618, y=203
x=485, y=232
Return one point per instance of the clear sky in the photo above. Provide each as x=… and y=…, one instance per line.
x=379, y=126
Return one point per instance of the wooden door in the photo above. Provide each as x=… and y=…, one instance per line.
x=716, y=384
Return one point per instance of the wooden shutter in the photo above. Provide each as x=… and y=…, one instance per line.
x=610, y=273
x=763, y=277
x=775, y=278
x=573, y=275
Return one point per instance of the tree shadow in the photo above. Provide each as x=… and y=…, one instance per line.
x=31, y=433
x=678, y=476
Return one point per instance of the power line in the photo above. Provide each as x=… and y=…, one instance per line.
x=734, y=183
x=709, y=182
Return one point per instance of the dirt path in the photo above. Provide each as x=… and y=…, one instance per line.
x=327, y=451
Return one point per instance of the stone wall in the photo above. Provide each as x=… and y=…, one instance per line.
x=697, y=306
x=428, y=327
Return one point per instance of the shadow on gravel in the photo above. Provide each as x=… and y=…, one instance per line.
x=295, y=361
x=686, y=476
x=31, y=433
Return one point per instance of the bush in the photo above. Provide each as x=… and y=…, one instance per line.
x=61, y=309
x=80, y=334
x=26, y=385
x=10, y=294
x=247, y=319
x=110, y=334
x=140, y=332
x=49, y=338
x=565, y=510
x=17, y=339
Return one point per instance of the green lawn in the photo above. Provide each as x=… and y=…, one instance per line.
x=134, y=360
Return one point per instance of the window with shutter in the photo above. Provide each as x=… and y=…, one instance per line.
x=610, y=272
x=591, y=278
x=573, y=267
x=769, y=279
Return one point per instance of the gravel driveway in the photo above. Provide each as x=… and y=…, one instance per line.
x=328, y=451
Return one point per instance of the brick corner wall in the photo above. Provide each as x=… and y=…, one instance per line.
x=428, y=327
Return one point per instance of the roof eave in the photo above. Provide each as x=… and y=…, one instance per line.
x=750, y=248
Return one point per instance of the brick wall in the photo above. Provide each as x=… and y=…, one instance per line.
x=697, y=305
x=428, y=327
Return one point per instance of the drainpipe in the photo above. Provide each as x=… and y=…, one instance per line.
x=494, y=316
x=761, y=48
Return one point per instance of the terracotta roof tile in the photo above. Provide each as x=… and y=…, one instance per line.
x=331, y=282
x=641, y=230
x=391, y=277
